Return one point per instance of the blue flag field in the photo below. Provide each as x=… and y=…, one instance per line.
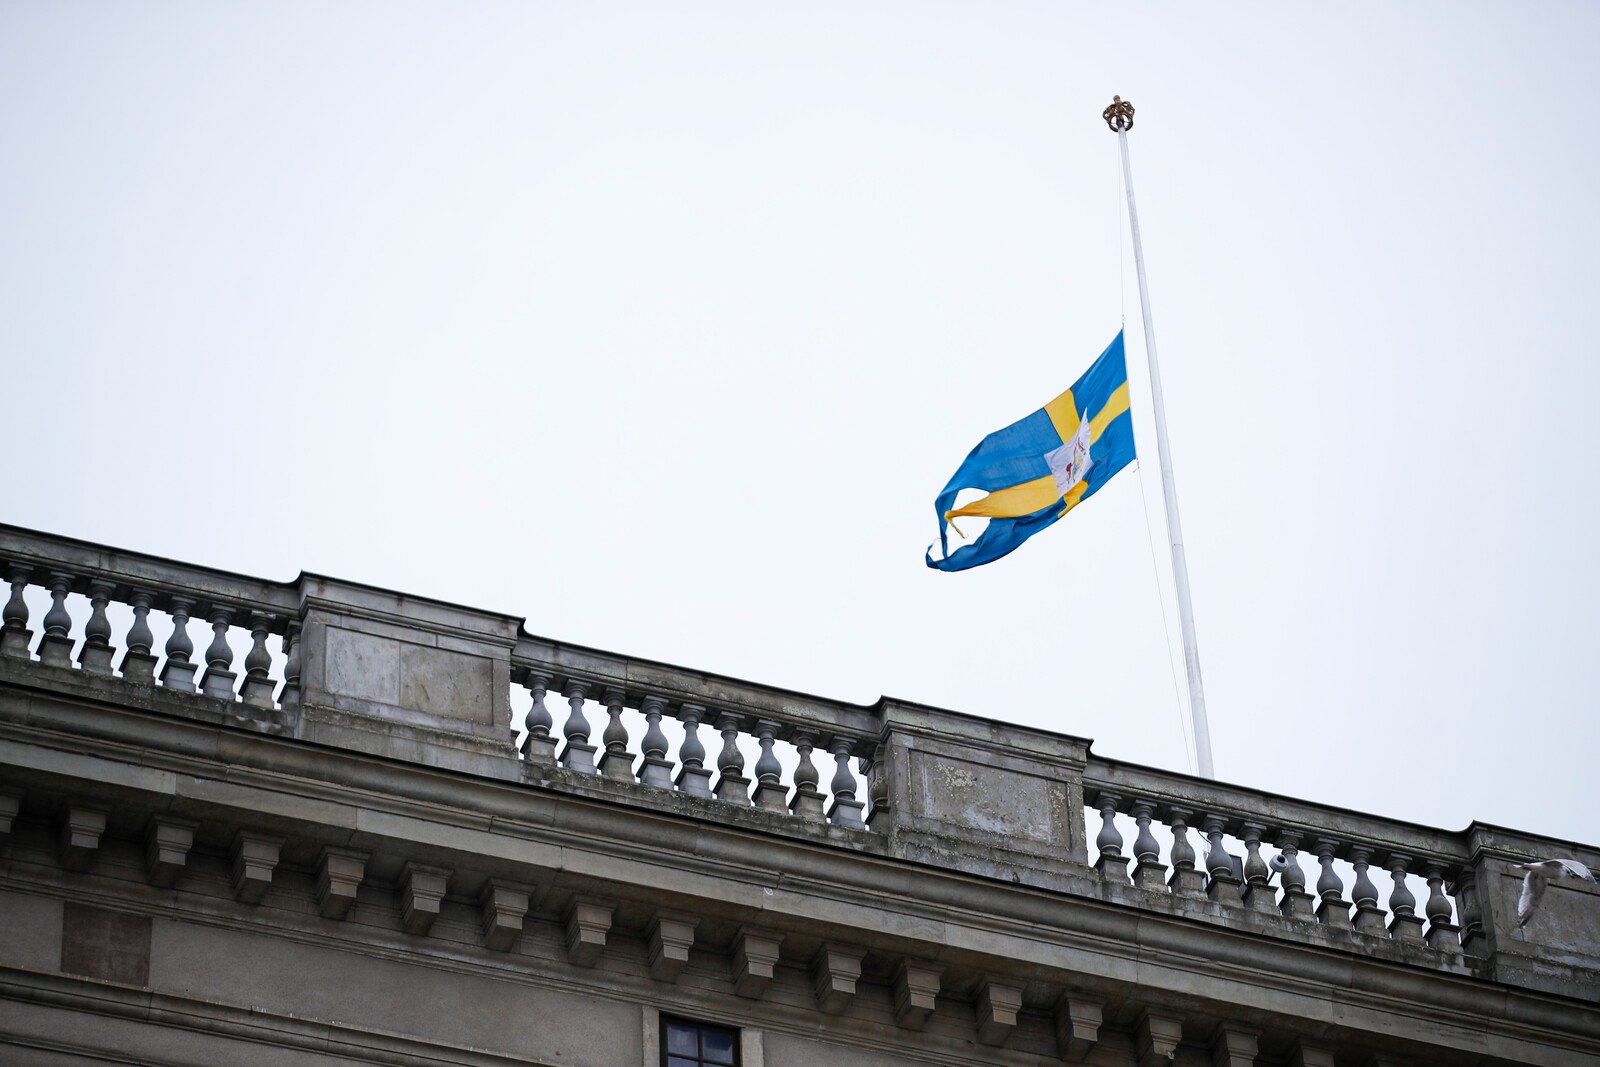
x=1041, y=467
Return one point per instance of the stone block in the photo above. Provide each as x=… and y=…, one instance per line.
x=10, y=806
x=808, y=803
x=577, y=755
x=772, y=796
x=96, y=658
x=1077, y=1025
x=988, y=799
x=1156, y=1037
x=255, y=856
x=1113, y=869
x=81, y=828
x=339, y=873
x=997, y=1007
x=1297, y=905
x=55, y=650
x=422, y=891
x=443, y=683
x=1303, y=1055
x=1407, y=928
x=1331, y=911
x=1446, y=937
x=588, y=922
x=1233, y=1047
x=1187, y=882
x=447, y=683
x=671, y=937
x=834, y=973
x=695, y=781
x=1369, y=919
x=733, y=788
x=113, y=946
x=1151, y=876
x=17, y=642
x=362, y=665
x=167, y=843
x=1223, y=888
x=178, y=675
x=755, y=954
x=138, y=667
x=916, y=992
x=503, y=906
x=218, y=683
x=846, y=812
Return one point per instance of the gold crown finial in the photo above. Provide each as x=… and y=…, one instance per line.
x=1119, y=116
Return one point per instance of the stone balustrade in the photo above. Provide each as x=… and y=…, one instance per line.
x=105, y=609
x=405, y=678
x=1173, y=841
x=814, y=759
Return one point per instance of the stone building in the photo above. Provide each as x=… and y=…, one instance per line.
x=320, y=841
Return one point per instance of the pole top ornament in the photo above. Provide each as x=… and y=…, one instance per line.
x=1119, y=116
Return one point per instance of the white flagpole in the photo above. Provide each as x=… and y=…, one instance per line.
x=1119, y=116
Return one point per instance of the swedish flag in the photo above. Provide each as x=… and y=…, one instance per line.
x=1041, y=467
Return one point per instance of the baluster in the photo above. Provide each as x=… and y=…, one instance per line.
x=1222, y=885
x=218, y=680
x=538, y=745
x=1369, y=917
x=1471, y=912
x=1295, y=902
x=770, y=793
x=875, y=768
x=1150, y=873
x=257, y=690
x=289, y=695
x=1406, y=925
x=1185, y=880
x=578, y=753
x=656, y=769
x=1258, y=893
x=96, y=653
x=694, y=777
x=16, y=639
x=732, y=785
x=1112, y=865
x=138, y=664
x=846, y=809
x=1442, y=933
x=178, y=673
x=1332, y=908
x=616, y=762
x=807, y=801
x=55, y=647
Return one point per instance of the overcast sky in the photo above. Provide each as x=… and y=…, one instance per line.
x=662, y=325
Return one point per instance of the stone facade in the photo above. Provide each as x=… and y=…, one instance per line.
x=404, y=832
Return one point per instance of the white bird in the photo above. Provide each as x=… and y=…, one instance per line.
x=1538, y=876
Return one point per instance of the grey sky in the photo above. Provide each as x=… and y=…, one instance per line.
x=663, y=324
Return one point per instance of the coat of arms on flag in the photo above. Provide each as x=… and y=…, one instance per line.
x=1070, y=463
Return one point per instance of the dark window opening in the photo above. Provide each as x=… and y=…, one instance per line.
x=691, y=1044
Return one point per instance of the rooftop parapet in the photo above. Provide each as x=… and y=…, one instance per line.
x=412, y=679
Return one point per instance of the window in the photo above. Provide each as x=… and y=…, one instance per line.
x=691, y=1044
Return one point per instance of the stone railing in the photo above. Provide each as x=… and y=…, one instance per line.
x=408, y=678
x=1158, y=810
x=784, y=728
x=127, y=615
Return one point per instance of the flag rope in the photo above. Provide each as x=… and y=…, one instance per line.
x=1166, y=631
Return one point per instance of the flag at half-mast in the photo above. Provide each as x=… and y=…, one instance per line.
x=1041, y=467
